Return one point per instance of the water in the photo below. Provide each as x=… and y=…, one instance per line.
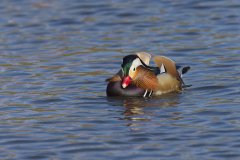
x=55, y=56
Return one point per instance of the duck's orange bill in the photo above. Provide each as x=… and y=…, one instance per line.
x=126, y=81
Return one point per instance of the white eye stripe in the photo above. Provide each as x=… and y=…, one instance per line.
x=135, y=64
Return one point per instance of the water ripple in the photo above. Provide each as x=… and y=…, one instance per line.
x=56, y=55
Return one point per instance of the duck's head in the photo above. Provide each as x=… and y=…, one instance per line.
x=130, y=66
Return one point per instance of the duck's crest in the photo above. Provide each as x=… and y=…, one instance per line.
x=145, y=57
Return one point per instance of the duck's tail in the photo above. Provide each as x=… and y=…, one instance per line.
x=182, y=71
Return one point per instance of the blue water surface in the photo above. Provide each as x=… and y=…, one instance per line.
x=56, y=54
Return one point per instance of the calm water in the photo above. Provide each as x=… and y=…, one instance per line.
x=56, y=54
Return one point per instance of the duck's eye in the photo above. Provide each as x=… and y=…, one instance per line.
x=134, y=69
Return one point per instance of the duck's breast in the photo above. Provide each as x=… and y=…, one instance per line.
x=115, y=89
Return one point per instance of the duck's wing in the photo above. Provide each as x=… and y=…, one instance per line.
x=167, y=65
x=116, y=77
x=145, y=57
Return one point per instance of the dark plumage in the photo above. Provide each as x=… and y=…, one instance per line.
x=115, y=89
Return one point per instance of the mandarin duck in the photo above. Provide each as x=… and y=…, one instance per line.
x=137, y=78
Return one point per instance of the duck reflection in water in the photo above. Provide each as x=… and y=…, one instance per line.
x=138, y=111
